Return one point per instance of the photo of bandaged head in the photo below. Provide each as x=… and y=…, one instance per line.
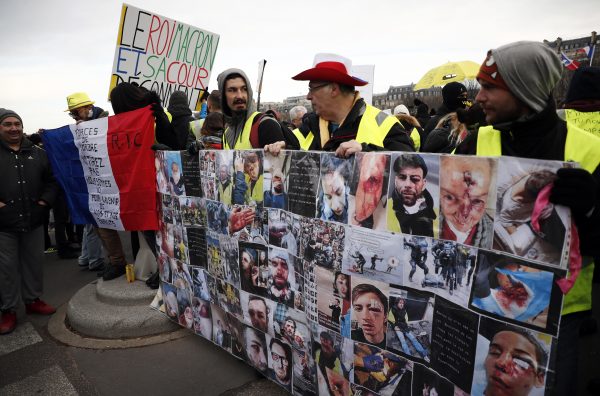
x=515, y=290
x=368, y=191
x=275, y=182
x=202, y=317
x=381, y=371
x=333, y=357
x=175, y=170
x=510, y=360
x=334, y=188
x=254, y=267
x=281, y=285
x=247, y=178
x=518, y=230
x=410, y=322
x=413, y=196
x=467, y=199
x=369, y=311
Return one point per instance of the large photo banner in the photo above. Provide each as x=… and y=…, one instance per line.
x=381, y=274
x=163, y=55
x=106, y=170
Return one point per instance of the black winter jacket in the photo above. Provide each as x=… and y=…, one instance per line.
x=27, y=179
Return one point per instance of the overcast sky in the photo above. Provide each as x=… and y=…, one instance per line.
x=54, y=48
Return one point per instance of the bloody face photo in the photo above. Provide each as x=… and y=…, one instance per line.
x=334, y=188
x=369, y=190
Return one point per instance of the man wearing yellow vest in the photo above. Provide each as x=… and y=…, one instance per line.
x=342, y=121
x=236, y=103
x=517, y=80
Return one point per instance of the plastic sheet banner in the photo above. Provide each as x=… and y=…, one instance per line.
x=163, y=55
x=382, y=274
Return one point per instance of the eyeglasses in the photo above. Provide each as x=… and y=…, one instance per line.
x=278, y=358
x=74, y=114
x=317, y=87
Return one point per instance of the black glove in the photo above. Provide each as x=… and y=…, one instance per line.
x=194, y=147
x=575, y=188
x=160, y=146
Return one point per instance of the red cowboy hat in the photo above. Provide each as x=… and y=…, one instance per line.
x=330, y=68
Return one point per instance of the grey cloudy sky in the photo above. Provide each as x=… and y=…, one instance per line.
x=53, y=48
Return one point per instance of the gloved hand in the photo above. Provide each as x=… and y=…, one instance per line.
x=160, y=146
x=575, y=188
x=194, y=147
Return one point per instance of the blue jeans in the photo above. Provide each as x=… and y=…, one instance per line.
x=413, y=340
x=91, y=249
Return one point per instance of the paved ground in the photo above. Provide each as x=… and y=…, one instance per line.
x=34, y=363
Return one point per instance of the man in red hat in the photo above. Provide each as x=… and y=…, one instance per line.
x=342, y=121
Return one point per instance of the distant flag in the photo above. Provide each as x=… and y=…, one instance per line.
x=568, y=62
x=589, y=49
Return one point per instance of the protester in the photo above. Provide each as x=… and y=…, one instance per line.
x=213, y=106
x=582, y=103
x=81, y=108
x=296, y=115
x=236, y=102
x=454, y=96
x=410, y=124
x=279, y=286
x=327, y=358
x=422, y=112
x=517, y=80
x=181, y=117
x=342, y=121
x=27, y=189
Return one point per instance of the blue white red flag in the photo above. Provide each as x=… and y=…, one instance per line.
x=568, y=62
x=106, y=169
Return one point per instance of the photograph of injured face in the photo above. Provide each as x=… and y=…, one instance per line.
x=332, y=203
x=368, y=191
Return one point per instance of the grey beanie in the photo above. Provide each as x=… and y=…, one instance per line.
x=4, y=113
x=530, y=69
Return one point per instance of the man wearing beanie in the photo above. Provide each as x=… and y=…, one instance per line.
x=29, y=186
x=454, y=96
x=582, y=104
x=517, y=80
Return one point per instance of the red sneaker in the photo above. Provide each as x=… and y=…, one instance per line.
x=39, y=307
x=8, y=322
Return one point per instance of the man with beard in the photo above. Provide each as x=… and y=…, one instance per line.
x=246, y=129
x=225, y=186
x=281, y=357
x=256, y=349
x=279, y=287
x=276, y=197
x=249, y=271
x=410, y=207
x=258, y=312
x=248, y=189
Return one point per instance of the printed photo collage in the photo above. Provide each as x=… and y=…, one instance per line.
x=387, y=273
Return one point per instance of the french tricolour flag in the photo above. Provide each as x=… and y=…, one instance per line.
x=568, y=62
x=106, y=169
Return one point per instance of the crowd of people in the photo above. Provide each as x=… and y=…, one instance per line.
x=514, y=114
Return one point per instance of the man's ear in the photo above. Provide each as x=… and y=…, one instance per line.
x=539, y=378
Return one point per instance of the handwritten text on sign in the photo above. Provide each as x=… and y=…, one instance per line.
x=163, y=55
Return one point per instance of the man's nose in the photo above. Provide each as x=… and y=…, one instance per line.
x=502, y=361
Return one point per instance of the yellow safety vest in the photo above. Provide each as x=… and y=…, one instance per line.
x=416, y=138
x=243, y=142
x=256, y=195
x=588, y=121
x=580, y=147
x=373, y=128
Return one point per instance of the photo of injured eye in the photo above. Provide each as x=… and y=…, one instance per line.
x=515, y=290
x=509, y=360
x=275, y=182
x=332, y=204
x=413, y=195
x=368, y=191
x=518, y=230
x=467, y=200
x=369, y=311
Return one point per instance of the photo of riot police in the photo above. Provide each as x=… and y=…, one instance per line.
x=275, y=182
x=368, y=190
x=413, y=195
x=281, y=284
x=510, y=360
x=439, y=267
x=381, y=371
x=409, y=323
x=334, y=188
x=322, y=242
x=254, y=267
x=333, y=356
x=280, y=362
x=540, y=237
x=467, y=200
x=369, y=311
x=517, y=291
x=255, y=348
x=229, y=260
x=217, y=217
x=284, y=230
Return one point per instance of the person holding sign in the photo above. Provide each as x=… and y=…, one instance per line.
x=342, y=121
x=517, y=81
x=29, y=187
